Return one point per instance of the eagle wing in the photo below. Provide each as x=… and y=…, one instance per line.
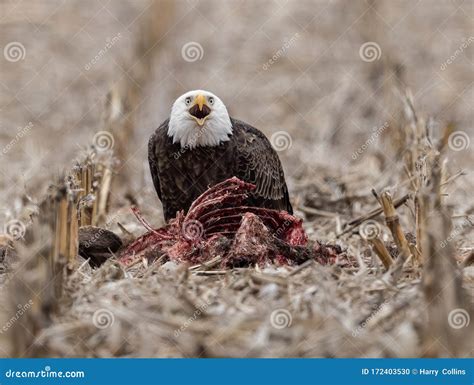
x=154, y=145
x=258, y=163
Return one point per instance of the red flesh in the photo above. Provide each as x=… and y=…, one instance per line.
x=242, y=235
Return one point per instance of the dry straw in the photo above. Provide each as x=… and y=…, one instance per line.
x=399, y=308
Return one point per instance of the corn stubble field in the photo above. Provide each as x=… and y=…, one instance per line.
x=368, y=105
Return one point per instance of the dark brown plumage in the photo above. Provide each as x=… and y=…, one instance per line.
x=180, y=175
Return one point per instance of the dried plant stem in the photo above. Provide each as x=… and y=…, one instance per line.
x=73, y=229
x=104, y=194
x=381, y=251
x=86, y=184
x=61, y=247
x=442, y=284
x=207, y=265
x=419, y=233
x=372, y=214
x=393, y=223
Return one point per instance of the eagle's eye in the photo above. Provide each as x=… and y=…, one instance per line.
x=187, y=101
x=211, y=100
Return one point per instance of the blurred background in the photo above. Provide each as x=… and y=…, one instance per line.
x=324, y=72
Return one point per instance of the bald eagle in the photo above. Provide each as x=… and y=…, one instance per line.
x=200, y=145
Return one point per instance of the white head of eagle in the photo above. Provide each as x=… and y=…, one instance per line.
x=199, y=118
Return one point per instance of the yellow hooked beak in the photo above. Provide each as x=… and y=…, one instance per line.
x=200, y=100
x=200, y=110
